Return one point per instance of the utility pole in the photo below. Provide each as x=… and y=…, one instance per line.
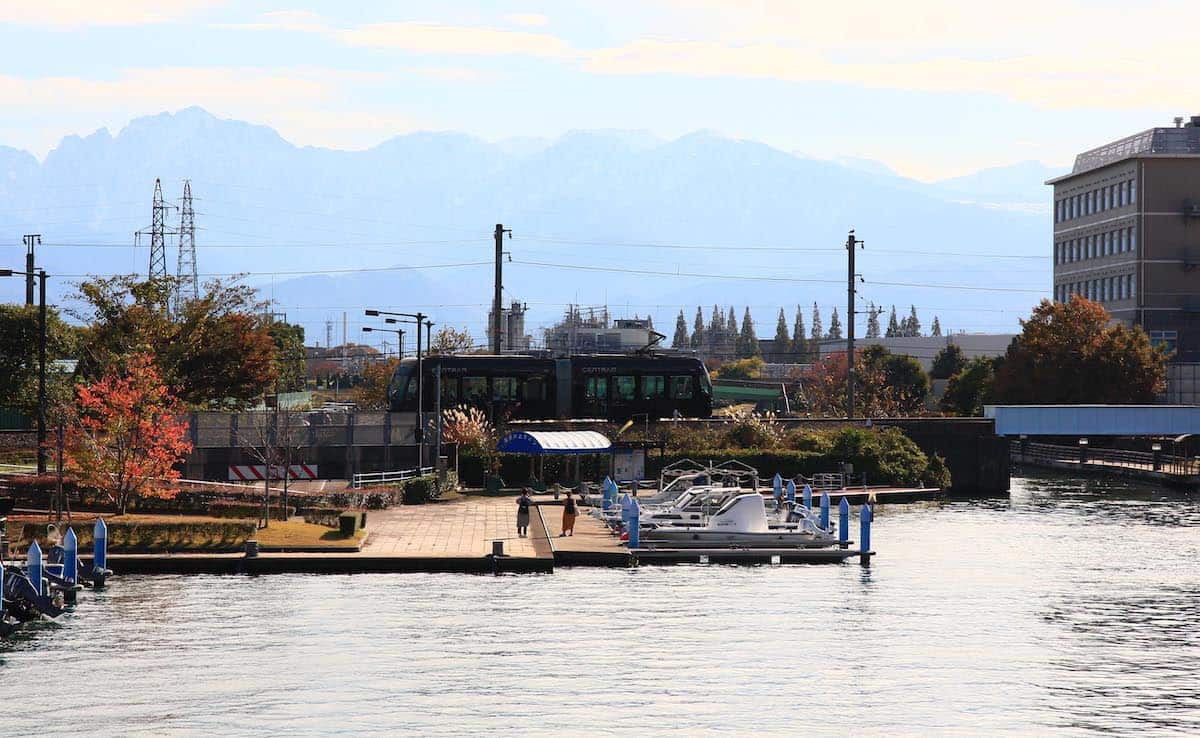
x=851, y=242
x=30, y=240
x=41, y=426
x=496, y=321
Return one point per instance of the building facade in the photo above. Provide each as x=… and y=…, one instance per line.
x=1127, y=233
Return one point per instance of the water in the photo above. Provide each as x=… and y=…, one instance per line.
x=1069, y=610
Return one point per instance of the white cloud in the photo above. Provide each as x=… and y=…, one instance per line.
x=299, y=21
x=431, y=38
x=67, y=14
x=532, y=20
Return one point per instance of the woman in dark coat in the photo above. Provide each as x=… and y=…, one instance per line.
x=523, y=503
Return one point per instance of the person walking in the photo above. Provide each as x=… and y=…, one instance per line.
x=569, y=512
x=523, y=503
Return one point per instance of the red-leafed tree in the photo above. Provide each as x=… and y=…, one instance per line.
x=128, y=433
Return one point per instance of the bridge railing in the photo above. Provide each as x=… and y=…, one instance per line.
x=1043, y=453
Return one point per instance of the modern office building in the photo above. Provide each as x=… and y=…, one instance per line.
x=1127, y=233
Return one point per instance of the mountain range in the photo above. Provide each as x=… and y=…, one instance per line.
x=656, y=225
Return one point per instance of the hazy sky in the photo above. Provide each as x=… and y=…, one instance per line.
x=933, y=88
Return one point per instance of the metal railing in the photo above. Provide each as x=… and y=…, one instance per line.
x=361, y=480
x=1046, y=453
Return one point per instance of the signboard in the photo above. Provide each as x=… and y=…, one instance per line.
x=629, y=464
x=252, y=472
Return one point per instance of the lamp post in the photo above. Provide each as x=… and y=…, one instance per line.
x=41, y=421
x=1157, y=449
x=419, y=319
x=1083, y=446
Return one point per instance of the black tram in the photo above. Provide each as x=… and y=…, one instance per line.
x=614, y=387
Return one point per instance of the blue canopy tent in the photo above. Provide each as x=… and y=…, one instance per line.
x=538, y=444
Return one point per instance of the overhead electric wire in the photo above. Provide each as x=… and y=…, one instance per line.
x=308, y=272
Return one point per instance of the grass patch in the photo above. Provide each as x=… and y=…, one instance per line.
x=299, y=534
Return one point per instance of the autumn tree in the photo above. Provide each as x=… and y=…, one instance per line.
x=217, y=351
x=680, y=339
x=886, y=384
x=127, y=435
x=1068, y=353
x=948, y=362
x=450, y=340
x=748, y=368
x=372, y=391
x=970, y=388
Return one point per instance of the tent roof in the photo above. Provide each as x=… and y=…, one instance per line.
x=554, y=442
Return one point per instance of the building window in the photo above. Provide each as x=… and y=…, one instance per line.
x=1165, y=338
x=1132, y=191
x=1104, y=204
x=1132, y=238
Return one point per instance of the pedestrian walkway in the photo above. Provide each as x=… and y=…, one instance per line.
x=461, y=528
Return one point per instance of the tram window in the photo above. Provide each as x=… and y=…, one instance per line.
x=449, y=392
x=475, y=389
x=623, y=388
x=535, y=388
x=595, y=388
x=653, y=387
x=411, y=392
x=504, y=389
x=681, y=388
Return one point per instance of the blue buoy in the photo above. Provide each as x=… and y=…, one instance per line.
x=825, y=510
x=843, y=521
x=808, y=496
x=635, y=517
x=864, y=533
x=33, y=566
x=71, y=556
x=791, y=492
x=100, y=548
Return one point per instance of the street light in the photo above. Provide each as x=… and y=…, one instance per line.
x=420, y=319
x=41, y=427
x=399, y=332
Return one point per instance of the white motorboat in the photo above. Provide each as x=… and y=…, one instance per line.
x=741, y=522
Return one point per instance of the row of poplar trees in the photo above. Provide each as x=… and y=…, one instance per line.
x=722, y=337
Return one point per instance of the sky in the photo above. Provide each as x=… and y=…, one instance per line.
x=932, y=88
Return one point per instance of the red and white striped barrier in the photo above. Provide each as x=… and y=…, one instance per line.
x=250, y=473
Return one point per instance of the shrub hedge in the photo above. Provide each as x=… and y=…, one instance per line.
x=233, y=509
x=141, y=537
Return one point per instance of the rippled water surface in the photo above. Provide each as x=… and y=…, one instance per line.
x=1073, y=608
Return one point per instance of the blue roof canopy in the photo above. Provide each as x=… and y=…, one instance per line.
x=554, y=442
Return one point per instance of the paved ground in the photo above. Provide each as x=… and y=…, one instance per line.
x=460, y=528
x=590, y=534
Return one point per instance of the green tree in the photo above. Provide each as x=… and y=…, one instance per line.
x=698, y=330
x=835, y=326
x=1067, y=353
x=747, y=341
x=818, y=330
x=783, y=341
x=680, y=340
x=716, y=330
x=893, y=329
x=936, y=328
x=217, y=351
x=948, y=362
x=904, y=384
x=290, y=362
x=970, y=388
x=911, y=326
x=799, y=343
x=20, y=335
x=873, y=321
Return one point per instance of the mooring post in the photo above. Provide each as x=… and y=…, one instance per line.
x=844, y=523
x=70, y=563
x=605, y=501
x=825, y=511
x=777, y=489
x=791, y=493
x=864, y=534
x=635, y=517
x=99, y=552
x=808, y=496
x=33, y=566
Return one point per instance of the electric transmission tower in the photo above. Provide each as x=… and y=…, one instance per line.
x=187, y=287
x=158, y=235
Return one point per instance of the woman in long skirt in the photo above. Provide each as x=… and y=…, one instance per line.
x=523, y=514
x=569, y=512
